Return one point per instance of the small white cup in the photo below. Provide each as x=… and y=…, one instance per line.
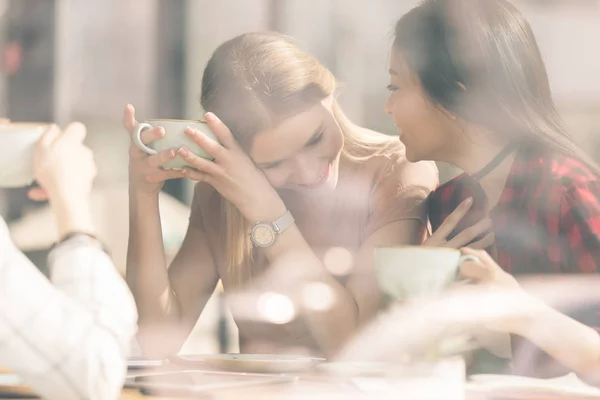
x=174, y=138
x=17, y=148
x=415, y=271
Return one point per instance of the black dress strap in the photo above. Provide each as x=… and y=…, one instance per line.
x=505, y=152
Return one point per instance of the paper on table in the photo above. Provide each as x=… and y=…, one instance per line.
x=12, y=386
x=568, y=384
x=10, y=380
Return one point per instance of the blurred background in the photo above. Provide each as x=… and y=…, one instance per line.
x=64, y=60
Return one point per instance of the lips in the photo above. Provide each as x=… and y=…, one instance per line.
x=320, y=180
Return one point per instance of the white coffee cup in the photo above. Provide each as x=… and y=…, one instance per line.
x=17, y=148
x=174, y=138
x=416, y=271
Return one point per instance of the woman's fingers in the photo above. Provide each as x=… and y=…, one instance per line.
x=163, y=175
x=452, y=221
x=471, y=233
x=221, y=131
x=49, y=137
x=196, y=175
x=37, y=194
x=147, y=136
x=160, y=159
x=129, y=121
x=151, y=135
x=212, y=147
x=199, y=163
x=484, y=243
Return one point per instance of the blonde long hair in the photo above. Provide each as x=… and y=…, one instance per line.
x=255, y=81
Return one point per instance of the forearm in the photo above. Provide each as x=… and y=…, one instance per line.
x=87, y=322
x=72, y=214
x=147, y=274
x=568, y=341
x=300, y=269
x=94, y=363
x=81, y=257
x=99, y=287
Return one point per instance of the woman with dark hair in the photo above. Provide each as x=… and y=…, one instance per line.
x=469, y=87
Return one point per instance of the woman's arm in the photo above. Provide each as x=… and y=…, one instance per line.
x=70, y=340
x=293, y=263
x=570, y=342
x=566, y=340
x=353, y=304
x=169, y=300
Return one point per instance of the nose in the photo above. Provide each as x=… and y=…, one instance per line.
x=388, y=105
x=305, y=170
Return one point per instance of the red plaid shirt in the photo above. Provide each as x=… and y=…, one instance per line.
x=547, y=220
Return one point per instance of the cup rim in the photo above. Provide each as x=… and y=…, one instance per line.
x=176, y=120
x=26, y=125
x=415, y=247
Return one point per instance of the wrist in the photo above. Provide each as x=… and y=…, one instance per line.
x=142, y=191
x=266, y=211
x=137, y=193
x=73, y=215
x=532, y=311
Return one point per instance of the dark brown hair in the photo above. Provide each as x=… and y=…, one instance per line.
x=479, y=60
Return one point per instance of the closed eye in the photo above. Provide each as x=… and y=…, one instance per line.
x=314, y=140
x=271, y=166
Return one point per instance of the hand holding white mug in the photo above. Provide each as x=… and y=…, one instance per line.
x=464, y=238
x=145, y=172
x=500, y=288
x=65, y=170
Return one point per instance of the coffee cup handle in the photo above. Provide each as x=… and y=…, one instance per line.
x=467, y=258
x=461, y=260
x=137, y=138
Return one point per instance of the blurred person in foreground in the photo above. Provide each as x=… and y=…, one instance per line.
x=287, y=153
x=68, y=338
x=469, y=87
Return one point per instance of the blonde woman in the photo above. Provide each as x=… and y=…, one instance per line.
x=289, y=157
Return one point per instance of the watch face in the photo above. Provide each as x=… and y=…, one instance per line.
x=263, y=235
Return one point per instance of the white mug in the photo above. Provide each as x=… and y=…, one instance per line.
x=174, y=138
x=17, y=148
x=416, y=271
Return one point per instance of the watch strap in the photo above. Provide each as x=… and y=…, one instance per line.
x=283, y=222
x=80, y=238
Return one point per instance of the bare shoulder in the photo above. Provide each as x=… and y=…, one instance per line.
x=422, y=174
x=389, y=162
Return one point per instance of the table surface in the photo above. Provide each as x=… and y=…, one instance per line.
x=315, y=387
x=267, y=394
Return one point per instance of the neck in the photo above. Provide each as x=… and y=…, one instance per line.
x=474, y=152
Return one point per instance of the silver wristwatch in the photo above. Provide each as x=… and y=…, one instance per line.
x=264, y=234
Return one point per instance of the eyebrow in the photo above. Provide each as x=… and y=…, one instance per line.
x=318, y=131
x=393, y=72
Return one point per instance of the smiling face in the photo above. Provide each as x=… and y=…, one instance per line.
x=427, y=130
x=303, y=152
